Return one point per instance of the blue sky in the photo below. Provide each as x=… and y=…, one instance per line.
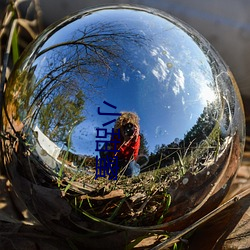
x=165, y=78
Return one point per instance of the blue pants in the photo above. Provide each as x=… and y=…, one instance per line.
x=133, y=169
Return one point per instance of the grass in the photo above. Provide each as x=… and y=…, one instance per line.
x=145, y=199
x=143, y=195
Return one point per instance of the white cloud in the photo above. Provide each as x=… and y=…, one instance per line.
x=161, y=70
x=145, y=62
x=159, y=132
x=142, y=76
x=154, y=52
x=183, y=100
x=179, y=82
x=125, y=78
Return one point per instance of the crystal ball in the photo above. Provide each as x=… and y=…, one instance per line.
x=119, y=119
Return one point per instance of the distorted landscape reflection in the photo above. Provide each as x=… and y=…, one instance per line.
x=173, y=108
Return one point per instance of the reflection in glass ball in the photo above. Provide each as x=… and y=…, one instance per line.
x=116, y=112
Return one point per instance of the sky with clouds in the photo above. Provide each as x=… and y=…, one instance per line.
x=166, y=79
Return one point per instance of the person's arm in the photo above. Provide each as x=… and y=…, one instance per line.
x=137, y=147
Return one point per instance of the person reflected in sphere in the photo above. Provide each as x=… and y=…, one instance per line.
x=127, y=137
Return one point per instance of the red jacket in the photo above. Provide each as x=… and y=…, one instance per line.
x=127, y=150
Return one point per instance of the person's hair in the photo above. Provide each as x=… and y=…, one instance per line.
x=125, y=118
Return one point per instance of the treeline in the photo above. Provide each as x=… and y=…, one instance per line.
x=171, y=153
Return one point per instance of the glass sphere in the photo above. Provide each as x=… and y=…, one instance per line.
x=120, y=119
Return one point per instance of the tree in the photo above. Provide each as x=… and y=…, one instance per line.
x=144, y=146
x=58, y=117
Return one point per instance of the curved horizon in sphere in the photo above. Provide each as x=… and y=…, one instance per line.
x=130, y=74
